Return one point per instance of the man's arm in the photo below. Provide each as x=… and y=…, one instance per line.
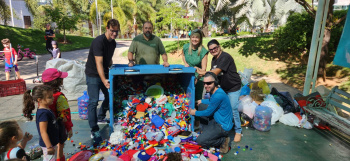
x=165, y=60
x=101, y=73
x=216, y=71
x=131, y=59
x=213, y=105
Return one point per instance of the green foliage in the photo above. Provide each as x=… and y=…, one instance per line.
x=295, y=37
x=171, y=15
x=5, y=13
x=34, y=39
x=62, y=19
x=174, y=46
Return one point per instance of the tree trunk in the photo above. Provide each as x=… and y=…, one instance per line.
x=90, y=28
x=206, y=4
x=135, y=26
x=64, y=35
x=324, y=50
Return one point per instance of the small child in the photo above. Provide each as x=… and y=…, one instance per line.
x=56, y=53
x=54, y=78
x=10, y=134
x=45, y=119
x=10, y=60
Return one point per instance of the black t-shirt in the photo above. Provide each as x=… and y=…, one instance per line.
x=49, y=33
x=229, y=78
x=100, y=46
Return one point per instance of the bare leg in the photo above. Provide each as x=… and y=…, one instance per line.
x=7, y=75
x=60, y=155
x=18, y=75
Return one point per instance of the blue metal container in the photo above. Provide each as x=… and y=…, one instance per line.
x=187, y=75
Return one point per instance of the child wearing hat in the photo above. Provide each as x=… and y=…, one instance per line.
x=56, y=53
x=54, y=78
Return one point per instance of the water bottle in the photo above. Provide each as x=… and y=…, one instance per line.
x=83, y=103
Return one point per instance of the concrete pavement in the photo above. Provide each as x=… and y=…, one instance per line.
x=11, y=106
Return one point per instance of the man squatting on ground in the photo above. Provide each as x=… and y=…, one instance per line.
x=215, y=115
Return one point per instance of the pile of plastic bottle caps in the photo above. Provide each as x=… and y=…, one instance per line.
x=152, y=122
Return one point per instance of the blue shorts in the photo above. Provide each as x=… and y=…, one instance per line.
x=8, y=69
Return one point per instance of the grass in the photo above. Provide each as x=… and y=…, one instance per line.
x=259, y=53
x=34, y=39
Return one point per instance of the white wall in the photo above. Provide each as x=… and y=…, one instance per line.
x=20, y=9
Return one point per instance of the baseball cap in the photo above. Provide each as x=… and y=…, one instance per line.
x=51, y=74
x=53, y=43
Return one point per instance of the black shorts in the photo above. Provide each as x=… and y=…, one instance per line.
x=62, y=132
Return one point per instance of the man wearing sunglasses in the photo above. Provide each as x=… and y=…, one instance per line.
x=96, y=70
x=147, y=48
x=215, y=115
x=223, y=65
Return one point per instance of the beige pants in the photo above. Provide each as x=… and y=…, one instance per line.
x=47, y=157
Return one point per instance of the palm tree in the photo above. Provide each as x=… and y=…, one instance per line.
x=144, y=12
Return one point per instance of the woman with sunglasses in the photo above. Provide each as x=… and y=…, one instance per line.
x=195, y=55
x=224, y=67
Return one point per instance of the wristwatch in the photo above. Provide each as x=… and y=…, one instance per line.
x=131, y=61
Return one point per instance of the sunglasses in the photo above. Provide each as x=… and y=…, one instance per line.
x=208, y=83
x=216, y=47
x=115, y=31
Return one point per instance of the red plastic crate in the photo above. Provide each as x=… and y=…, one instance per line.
x=12, y=87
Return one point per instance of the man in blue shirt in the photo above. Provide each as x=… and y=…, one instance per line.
x=218, y=114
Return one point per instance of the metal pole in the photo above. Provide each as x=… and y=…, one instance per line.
x=99, y=13
x=325, y=15
x=313, y=48
x=96, y=15
x=23, y=19
x=112, y=8
x=13, y=24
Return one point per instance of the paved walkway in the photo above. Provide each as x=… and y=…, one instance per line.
x=11, y=106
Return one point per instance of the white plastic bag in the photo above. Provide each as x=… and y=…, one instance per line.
x=290, y=119
x=277, y=110
x=305, y=124
x=246, y=99
x=75, y=84
x=249, y=109
x=247, y=73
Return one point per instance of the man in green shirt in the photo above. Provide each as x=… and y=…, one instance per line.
x=147, y=48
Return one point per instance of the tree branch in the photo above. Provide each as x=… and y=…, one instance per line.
x=309, y=9
x=339, y=20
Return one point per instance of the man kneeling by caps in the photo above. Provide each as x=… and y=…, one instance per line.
x=215, y=115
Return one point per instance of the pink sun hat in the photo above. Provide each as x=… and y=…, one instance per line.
x=51, y=74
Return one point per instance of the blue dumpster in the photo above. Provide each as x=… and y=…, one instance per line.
x=186, y=74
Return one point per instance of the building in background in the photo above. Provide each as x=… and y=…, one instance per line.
x=338, y=4
x=21, y=16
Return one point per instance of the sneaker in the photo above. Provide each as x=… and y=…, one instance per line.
x=103, y=121
x=96, y=137
x=224, y=148
x=237, y=137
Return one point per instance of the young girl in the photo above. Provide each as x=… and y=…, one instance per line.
x=45, y=118
x=10, y=60
x=56, y=53
x=10, y=134
x=54, y=78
